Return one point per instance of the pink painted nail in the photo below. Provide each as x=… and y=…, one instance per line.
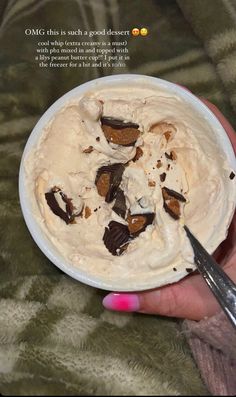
x=121, y=302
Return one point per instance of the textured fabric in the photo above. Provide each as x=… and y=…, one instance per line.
x=215, y=25
x=55, y=336
x=213, y=343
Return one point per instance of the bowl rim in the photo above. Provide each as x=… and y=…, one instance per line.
x=33, y=226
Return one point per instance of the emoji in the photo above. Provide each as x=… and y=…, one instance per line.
x=144, y=32
x=135, y=31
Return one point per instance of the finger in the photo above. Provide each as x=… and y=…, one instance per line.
x=185, y=299
x=189, y=298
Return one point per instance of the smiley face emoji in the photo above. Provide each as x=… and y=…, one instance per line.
x=135, y=31
x=144, y=32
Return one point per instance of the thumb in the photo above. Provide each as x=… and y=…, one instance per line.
x=189, y=298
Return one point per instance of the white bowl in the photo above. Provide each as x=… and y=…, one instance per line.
x=39, y=237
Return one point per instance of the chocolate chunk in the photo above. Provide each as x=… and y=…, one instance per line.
x=163, y=177
x=120, y=204
x=116, y=237
x=232, y=175
x=119, y=132
x=167, y=193
x=138, y=154
x=88, y=149
x=108, y=179
x=137, y=223
x=159, y=164
x=117, y=123
x=174, y=268
x=98, y=139
x=67, y=216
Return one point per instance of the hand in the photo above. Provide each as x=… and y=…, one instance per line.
x=189, y=298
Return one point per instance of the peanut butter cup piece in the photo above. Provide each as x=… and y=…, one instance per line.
x=120, y=204
x=108, y=179
x=168, y=193
x=116, y=237
x=118, y=123
x=67, y=215
x=120, y=132
x=137, y=223
x=172, y=201
x=103, y=184
x=172, y=207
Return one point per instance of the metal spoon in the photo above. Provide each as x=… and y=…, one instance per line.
x=220, y=284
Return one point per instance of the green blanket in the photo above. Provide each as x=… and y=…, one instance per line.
x=55, y=336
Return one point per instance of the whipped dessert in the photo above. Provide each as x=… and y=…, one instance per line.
x=116, y=174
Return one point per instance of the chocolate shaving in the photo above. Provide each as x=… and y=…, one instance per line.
x=163, y=177
x=151, y=183
x=52, y=202
x=87, y=212
x=88, y=149
x=167, y=193
x=117, y=123
x=138, y=154
x=189, y=269
x=232, y=175
x=112, y=174
x=137, y=223
x=120, y=204
x=116, y=237
x=159, y=164
x=98, y=139
x=171, y=156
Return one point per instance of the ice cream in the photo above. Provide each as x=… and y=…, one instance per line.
x=116, y=174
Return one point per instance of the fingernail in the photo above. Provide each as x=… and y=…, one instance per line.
x=121, y=302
